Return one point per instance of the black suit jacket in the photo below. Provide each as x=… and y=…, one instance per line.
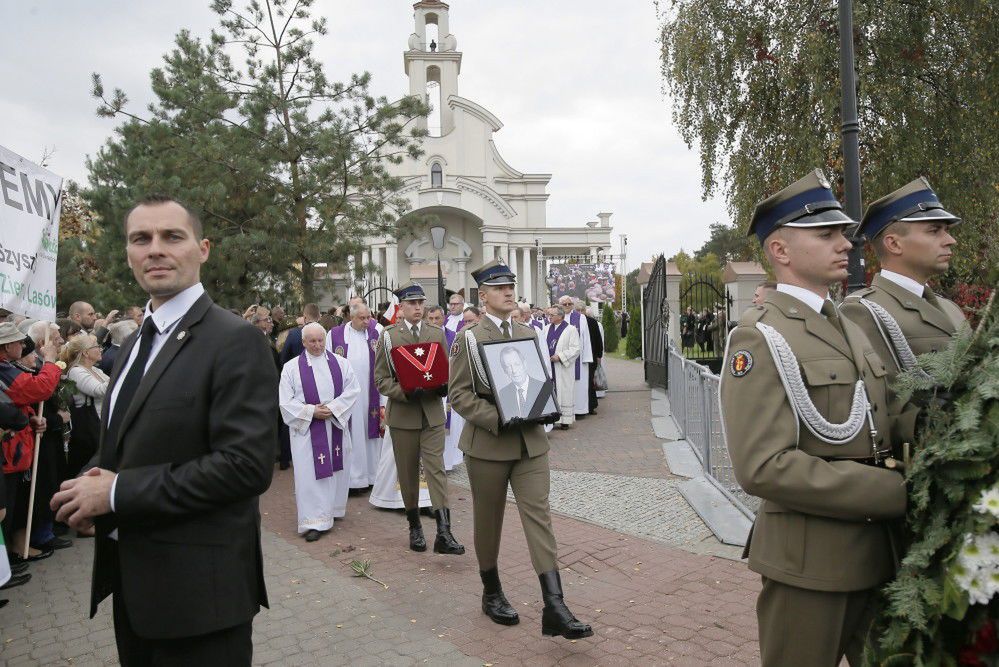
x=194, y=451
x=507, y=395
x=596, y=340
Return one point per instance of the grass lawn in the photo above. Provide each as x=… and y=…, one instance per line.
x=619, y=354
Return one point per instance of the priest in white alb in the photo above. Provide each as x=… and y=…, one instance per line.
x=561, y=340
x=317, y=391
x=576, y=318
x=355, y=340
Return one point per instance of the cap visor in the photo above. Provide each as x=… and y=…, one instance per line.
x=932, y=214
x=828, y=218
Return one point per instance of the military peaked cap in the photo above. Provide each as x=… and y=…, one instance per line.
x=914, y=202
x=495, y=272
x=410, y=292
x=808, y=202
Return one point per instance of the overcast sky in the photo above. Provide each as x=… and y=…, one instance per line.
x=575, y=82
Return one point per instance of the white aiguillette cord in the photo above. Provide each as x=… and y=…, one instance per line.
x=892, y=334
x=801, y=402
x=475, y=361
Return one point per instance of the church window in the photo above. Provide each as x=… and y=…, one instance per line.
x=436, y=176
x=431, y=33
x=434, y=100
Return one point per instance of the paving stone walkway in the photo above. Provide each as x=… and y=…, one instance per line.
x=650, y=598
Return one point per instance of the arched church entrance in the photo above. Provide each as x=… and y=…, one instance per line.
x=460, y=254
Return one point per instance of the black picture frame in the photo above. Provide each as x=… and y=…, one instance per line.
x=541, y=405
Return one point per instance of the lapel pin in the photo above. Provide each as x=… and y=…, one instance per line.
x=181, y=335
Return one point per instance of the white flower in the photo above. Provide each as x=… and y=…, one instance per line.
x=972, y=556
x=991, y=580
x=989, y=545
x=977, y=590
x=989, y=502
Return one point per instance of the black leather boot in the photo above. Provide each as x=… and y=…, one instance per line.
x=445, y=542
x=416, y=540
x=494, y=603
x=556, y=619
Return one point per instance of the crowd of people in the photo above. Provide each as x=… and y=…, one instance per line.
x=569, y=334
x=54, y=378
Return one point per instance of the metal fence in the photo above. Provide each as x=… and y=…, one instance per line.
x=693, y=400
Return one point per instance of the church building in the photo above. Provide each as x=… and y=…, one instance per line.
x=485, y=208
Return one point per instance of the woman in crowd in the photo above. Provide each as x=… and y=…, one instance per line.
x=81, y=355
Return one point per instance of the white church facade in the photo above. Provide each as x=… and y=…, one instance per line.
x=486, y=207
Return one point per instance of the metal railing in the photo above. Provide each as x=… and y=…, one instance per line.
x=693, y=400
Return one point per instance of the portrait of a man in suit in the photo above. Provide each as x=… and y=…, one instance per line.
x=517, y=397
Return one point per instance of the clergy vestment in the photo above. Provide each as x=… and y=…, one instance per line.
x=320, y=488
x=387, y=493
x=582, y=366
x=454, y=323
x=452, y=455
x=358, y=347
x=563, y=340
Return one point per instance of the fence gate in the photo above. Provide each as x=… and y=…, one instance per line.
x=705, y=306
x=656, y=317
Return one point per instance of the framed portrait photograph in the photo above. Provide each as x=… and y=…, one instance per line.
x=519, y=377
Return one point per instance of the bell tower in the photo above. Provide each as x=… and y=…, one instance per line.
x=433, y=63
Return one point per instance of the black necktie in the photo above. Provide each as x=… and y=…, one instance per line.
x=131, y=383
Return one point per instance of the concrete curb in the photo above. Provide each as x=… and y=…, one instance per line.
x=728, y=523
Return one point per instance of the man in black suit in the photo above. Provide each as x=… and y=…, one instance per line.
x=188, y=438
x=597, y=347
x=519, y=396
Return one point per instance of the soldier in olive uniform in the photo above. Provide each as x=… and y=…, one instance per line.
x=497, y=457
x=902, y=317
x=416, y=423
x=810, y=441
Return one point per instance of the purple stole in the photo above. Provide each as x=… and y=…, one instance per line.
x=450, y=336
x=338, y=336
x=537, y=324
x=554, y=333
x=574, y=321
x=324, y=463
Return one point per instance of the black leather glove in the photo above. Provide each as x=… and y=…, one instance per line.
x=931, y=398
x=416, y=394
x=441, y=390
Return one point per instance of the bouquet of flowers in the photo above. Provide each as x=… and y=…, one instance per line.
x=942, y=608
x=66, y=389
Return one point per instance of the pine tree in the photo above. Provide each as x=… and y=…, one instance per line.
x=287, y=167
x=633, y=347
x=612, y=337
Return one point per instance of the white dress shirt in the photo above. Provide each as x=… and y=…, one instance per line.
x=165, y=318
x=409, y=327
x=499, y=323
x=810, y=298
x=905, y=282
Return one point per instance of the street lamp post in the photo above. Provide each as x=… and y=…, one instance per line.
x=437, y=235
x=850, y=131
x=624, y=274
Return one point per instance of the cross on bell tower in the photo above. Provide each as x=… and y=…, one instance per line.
x=433, y=74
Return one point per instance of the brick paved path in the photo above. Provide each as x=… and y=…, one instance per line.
x=649, y=602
